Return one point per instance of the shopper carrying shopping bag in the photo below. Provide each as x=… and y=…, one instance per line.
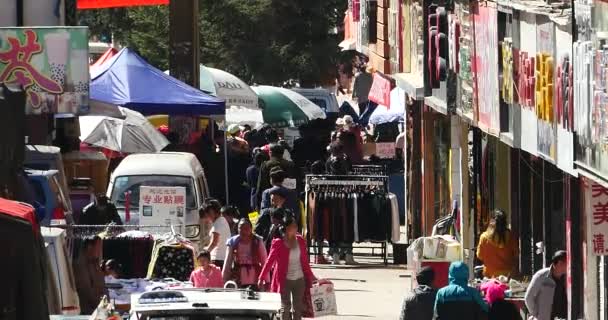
x=292, y=276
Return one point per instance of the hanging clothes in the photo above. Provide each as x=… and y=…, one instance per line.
x=133, y=252
x=351, y=216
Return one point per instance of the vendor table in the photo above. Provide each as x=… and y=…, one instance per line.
x=520, y=303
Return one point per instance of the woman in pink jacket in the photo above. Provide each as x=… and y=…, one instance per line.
x=292, y=275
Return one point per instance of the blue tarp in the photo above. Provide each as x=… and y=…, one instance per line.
x=128, y=80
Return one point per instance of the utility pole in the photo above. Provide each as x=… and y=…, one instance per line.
x=183, y=57
x=183, y=38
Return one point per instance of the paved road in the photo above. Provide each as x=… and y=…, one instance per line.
x=367, y=291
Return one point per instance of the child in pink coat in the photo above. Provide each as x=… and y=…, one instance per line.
x=207, y=275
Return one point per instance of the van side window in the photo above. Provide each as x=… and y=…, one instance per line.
x=203, y=188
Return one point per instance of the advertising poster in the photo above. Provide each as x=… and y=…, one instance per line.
x=486, y=69
x=162, y=205
x=52, y=64
x=526, y=82
x=544, y=104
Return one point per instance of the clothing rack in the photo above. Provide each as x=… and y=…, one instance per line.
x=377, y=181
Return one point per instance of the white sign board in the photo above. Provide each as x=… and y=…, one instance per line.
x=162, y=205
x=385, y=150
x=597, y=219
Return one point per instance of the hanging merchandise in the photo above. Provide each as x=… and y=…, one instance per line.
x=172, y=257
x=133, y=250
x=348, y=209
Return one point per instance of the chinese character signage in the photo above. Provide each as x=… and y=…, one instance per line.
x=162, y=205
x=544, y=88
x=597, y=219
x=51, y=64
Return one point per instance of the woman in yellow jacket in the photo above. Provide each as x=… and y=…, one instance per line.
x=498, y=248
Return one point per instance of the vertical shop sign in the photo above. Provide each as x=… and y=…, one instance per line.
x=597, y=219
x=545, y=64
x=564, y=100
x=486, y=68
x=526, y=82
x=51, y=64
x=162, y=205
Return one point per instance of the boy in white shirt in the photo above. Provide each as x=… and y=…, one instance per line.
x=219, y=233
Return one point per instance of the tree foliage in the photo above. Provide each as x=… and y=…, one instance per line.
x=260, y=41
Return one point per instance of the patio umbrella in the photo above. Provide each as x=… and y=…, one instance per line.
x=241, y=100
x=285, y=108
x=133, y=134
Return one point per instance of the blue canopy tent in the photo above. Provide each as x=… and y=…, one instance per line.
x=129, y=81
x=396, y=113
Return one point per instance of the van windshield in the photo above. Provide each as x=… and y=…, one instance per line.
x=123, y=184
x=319, y=102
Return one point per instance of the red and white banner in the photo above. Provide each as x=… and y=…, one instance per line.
x=380, y=92
x=97, y=4
x=597, y=219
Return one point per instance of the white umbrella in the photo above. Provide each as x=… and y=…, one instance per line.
x=133, y=134
x=241, y=100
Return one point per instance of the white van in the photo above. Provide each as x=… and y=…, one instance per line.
x=170, y=169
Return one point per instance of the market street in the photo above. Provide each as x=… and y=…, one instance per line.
x=367, y=291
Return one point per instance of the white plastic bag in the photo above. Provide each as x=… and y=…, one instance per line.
x=323, y=299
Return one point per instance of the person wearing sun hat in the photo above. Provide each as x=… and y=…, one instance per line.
x=235, y=142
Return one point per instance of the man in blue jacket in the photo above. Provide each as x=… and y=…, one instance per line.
x=457, y=300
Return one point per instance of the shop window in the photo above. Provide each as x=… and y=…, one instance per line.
x=442, y=205
x=372, y=14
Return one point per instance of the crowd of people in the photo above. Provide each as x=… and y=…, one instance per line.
x=545, y=296
x=245, y=258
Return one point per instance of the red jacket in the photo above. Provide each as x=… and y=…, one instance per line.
x=279, y=260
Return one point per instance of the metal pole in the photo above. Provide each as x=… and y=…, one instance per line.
x=226, y=166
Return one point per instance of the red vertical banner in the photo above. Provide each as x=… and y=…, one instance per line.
x=97, y=4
